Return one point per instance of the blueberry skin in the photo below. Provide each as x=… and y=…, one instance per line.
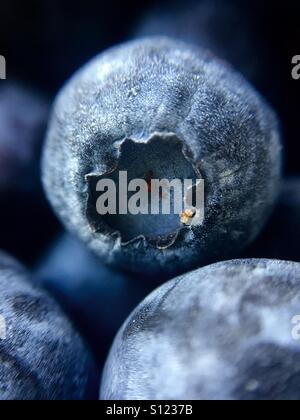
x=158, y=87
x=221, y=332
x=281, y=237
x=42, y=356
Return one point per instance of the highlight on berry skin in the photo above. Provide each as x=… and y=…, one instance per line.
x=228, y=331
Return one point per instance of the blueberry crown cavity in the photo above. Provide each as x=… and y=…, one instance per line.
x=161, y=157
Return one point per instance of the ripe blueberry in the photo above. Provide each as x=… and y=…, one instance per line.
x=213, y=26
x=163, y=107
x=226, y=331
x=42, y=357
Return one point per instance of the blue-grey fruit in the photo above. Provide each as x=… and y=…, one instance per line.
x=23, y=120
x=42, y=356
x=161, y=107
x=213, y=25
x=226, y=331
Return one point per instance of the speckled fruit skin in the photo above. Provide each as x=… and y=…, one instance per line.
x=42, y=357
x=167, y=88
x=221, y=332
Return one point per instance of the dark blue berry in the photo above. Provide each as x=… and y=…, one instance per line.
x=158, y=105
x=226, y=331
x=42, y=356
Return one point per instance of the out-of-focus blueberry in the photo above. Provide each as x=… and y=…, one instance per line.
x=24, y=211
x=42, y=356
x=281, y=238
x=96, y=298
x=161, y=106
x=214, y=25
x=23, y=120
x=227, y=331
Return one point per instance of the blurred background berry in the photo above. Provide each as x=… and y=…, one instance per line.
x=26, y=221
x=96, y=298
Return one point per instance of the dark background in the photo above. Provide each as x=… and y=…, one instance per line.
x=44, y=42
